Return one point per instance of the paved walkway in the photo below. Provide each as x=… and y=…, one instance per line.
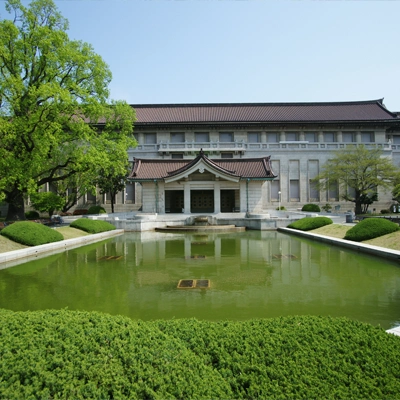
x=395, y=331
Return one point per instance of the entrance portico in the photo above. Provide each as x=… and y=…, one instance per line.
x=202, y=185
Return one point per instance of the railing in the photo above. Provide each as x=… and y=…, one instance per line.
x=241, y=146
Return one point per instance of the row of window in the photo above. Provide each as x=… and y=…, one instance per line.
x=313, y=194
x=270, y=137
x=222, y=155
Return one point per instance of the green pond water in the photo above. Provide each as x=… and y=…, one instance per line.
x=251, y=274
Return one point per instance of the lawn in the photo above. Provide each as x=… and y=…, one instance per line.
x=68, y=233
x=390, y=241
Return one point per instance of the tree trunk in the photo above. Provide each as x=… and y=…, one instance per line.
x=358, y=208
x=112, y=202
x=16, y=206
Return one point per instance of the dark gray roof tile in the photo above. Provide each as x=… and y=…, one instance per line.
x=263, y=112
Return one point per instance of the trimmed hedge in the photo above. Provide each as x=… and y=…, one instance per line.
x=31, y=233
x=70, y=354
x=310, y=223
x=32, y=215
x=370, y=228
x=96, y=210
x=311, y=207
x=92, y=225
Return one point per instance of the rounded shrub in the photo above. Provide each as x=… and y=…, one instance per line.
x=31, y=233
x=96, y=210
x=92, y=225
x=32, y=215
x=310, y=223
x=311, y=207
x=73, y=354
x=370, y=228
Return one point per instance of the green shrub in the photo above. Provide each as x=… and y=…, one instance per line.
x=92, y=225
x=32, y=215
x=96, y=210
x=31, y=233
x=370, y=228
x=281, y=208
x=311, y=207
x=327, y=207
x=70, y=354
x=310, y=223
x=385, y=211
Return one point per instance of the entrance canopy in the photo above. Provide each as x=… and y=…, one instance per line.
x=172, y=170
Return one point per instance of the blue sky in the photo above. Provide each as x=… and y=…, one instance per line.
x=233, y=51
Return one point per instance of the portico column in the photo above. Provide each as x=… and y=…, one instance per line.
x=186, y=200
x=243, y=198
x=217, y=197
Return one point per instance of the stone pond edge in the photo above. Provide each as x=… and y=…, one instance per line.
x=11, y=258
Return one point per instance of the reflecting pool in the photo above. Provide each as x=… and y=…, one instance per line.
x=252, y=274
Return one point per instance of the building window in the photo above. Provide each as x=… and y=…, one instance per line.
x=176, y=155
x=130, y=193
x=314, y=192
x=349, y=137
x=177, y=137
x=292, y=136
x=310, y=137
x=396, y=139
x=313, y=169
x=226, y=137
x=275, y=188
x=329, y=137
x=90, y=198
x=253, y=137
x=272, y=137
x=367, y=137
x=201, y=137
x=226, y=155
x=333, y=191
x=294, y=190
x=151, y=138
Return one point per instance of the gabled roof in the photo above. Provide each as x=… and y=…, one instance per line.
x=231, y=169
x=372, y=110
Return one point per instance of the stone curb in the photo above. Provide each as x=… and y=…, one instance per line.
x=13, y=257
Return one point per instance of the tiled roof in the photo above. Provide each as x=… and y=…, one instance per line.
x=244, y=168
x=373, y=110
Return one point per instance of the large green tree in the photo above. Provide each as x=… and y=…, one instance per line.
x=56, y=118
x=359, y=172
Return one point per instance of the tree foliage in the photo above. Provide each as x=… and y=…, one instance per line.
x=56, y=118
x=47, y=202
x=111, y=182
x=359, y=172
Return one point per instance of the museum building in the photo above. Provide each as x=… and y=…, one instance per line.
x=250, y=157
